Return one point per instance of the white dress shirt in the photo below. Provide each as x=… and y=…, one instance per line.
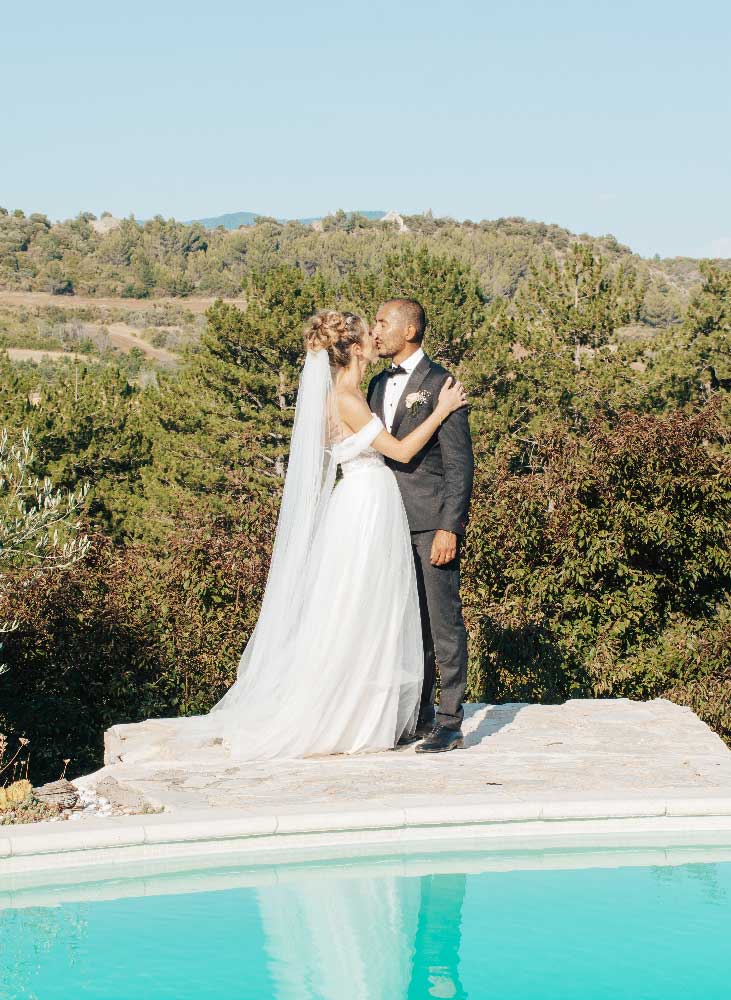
x=395, y=387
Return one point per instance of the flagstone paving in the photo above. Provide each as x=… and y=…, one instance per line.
x=580, y=750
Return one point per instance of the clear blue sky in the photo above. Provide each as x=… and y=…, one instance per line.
x=600, y=116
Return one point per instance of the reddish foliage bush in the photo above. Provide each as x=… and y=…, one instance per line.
x=129, y=634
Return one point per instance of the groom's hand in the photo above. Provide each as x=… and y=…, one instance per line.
x=444, y=547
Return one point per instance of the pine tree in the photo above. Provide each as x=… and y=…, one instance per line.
x=578, y=302
x=222, y=428
x=86, y=427
x=708, y=320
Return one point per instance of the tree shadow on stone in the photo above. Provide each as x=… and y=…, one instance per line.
x=495, y=718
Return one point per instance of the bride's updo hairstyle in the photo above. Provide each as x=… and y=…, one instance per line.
x=334, y=332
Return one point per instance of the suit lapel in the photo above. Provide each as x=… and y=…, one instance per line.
x=413, y=385
x=379, y=393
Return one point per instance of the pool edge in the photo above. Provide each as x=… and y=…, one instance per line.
x=48, y=846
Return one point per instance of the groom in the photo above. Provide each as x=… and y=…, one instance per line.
x=435, y=486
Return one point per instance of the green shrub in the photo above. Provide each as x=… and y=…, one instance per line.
x=597, y=566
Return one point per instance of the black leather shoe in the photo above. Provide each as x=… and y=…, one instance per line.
x=424, y=728
x=440, y=740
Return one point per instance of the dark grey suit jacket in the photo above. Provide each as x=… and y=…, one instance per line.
x=437, y=483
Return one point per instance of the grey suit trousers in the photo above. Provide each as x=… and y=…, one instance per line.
x=443, y=633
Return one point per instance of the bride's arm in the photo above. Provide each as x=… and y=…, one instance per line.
x=355, y=413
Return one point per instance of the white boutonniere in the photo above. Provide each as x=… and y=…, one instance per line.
x=416, y=399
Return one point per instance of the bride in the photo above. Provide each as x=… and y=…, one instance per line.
x=335, y=662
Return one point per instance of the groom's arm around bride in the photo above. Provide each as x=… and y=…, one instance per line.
x=436, y=486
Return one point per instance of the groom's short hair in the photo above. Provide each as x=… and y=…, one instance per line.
x=413, y=313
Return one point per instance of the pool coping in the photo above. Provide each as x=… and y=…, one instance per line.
x=264, y=836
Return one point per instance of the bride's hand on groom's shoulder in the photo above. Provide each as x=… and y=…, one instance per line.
x=452, y=396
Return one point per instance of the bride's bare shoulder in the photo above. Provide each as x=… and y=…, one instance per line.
x=348, y=395
x=352, y=406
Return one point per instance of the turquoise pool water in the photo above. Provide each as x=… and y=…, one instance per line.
x=362, y=931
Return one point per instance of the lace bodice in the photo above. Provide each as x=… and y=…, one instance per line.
x=354, y=452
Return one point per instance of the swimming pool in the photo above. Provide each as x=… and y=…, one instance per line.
x=514, y=927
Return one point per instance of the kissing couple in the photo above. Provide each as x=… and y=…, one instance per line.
x=362, y=598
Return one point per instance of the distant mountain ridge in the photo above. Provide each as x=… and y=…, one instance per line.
x=232, y=220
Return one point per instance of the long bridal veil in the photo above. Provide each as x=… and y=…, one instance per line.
x=269, y=657
x=267, y=660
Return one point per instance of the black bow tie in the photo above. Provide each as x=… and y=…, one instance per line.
x=395, y=370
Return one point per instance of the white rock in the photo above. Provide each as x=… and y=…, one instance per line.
x=585, y=748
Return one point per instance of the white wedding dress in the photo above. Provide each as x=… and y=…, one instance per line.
x=335, y=664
